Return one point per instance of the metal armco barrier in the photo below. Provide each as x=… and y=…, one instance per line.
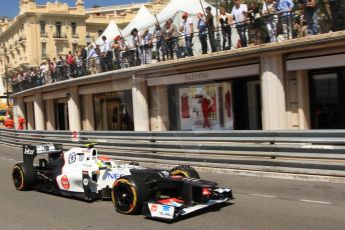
x=316, y=152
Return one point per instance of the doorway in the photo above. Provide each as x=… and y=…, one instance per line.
x=247, y=104
x=327, y=99
x=61, y=115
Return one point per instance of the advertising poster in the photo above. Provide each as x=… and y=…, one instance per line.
x=199, y=107
x=228, y=111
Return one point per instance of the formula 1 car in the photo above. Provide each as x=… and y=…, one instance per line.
x=82, y=174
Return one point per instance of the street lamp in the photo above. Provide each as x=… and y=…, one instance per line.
x=217, y=33
x=7, y=90
x=88, y=39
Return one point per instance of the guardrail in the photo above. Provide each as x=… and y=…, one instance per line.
x=317, y=152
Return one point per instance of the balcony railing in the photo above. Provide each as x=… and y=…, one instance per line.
x=60, y=36
x=44, y=35
x=254, y=33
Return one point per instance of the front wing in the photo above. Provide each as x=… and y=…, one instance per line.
x=173, y=210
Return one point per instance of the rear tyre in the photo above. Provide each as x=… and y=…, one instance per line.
x=184, y=171
x=128, y=195
x=23, y=178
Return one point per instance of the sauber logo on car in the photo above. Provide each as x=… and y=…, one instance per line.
x=72, y=158
x=28, y=151
x=65, y=182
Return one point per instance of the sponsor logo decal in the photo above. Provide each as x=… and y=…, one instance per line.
x=72, y=158
x=114, y=176
x=162, y=211
x=46, y=147
x=65, y=182
x=85, y=182
x=164, y=173
x=29, y=151
x=154, y=208
x=172, y=202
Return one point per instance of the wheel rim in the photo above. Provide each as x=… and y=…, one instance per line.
x=17, y=178
x=124, y=198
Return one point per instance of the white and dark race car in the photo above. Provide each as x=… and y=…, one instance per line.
x=82, y=174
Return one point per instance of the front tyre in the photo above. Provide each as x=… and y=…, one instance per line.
x=23, y=179
x=128, y=196
x=184, y=171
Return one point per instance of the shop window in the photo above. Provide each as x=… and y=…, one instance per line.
x=224, y=105
x=205, y=107
x=327, y=99
x=114, y=111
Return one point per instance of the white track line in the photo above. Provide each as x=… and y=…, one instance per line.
x=261, y=195
x=316, y=201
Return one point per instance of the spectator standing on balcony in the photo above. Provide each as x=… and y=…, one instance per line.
x=269, y=11
x=311, y=16
x=107, y=54
x=84, y=57
x=60, y=69
x=134, y=52
x=93, y=60
x=160, y=42
x=225, y=20
x=284, y=8
x=116, y=48
x=254, y=30
x=211, y=29
x=79, y=64
x=172, y=35
x=188, y=33
x=337, y=8
x=180, y=44
x=71, y=65
x=202, y=32
x=52, y=69
x=239, y=12
x=44, y=73
x=146, y=41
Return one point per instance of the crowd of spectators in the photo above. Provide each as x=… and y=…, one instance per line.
x=254, y=23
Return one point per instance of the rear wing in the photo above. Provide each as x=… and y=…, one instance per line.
x=31, y=151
